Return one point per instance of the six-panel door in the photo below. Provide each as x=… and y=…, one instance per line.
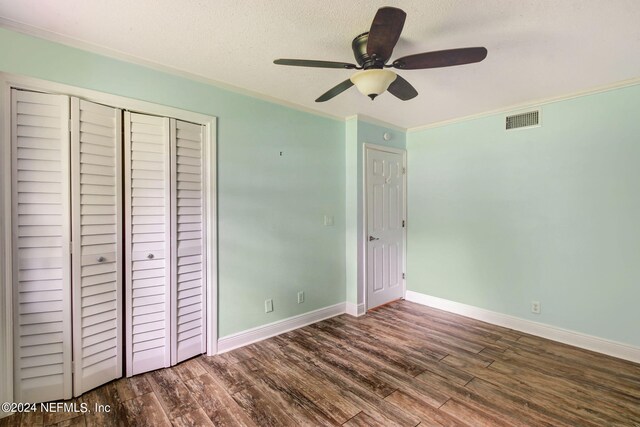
x=385, y=214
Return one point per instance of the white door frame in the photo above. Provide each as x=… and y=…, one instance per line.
x=9, y=81
x=365, y=225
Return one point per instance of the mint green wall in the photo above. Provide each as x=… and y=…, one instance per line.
x=498, y=219
x=358, y=132
x=272, y=241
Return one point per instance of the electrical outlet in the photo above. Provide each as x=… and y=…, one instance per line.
x=300, y=297
x=268, y=305
x=535, y=307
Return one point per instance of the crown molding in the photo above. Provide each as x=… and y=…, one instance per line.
x=54, y=37
x=529, y=104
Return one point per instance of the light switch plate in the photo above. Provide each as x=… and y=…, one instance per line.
x=328, y=220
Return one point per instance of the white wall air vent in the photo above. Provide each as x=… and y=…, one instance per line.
x=523, y=120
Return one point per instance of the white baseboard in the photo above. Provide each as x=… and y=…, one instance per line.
x=577, y=339
x=260, y=333
x=355, y=310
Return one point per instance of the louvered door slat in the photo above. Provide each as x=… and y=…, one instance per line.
x=148, y=213
x=41, y=235
x=188, y=309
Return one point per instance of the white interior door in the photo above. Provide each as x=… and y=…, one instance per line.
x=148, y=228
x=41, y=250
x=385, y=187
x=96, y=155
x=188, y=234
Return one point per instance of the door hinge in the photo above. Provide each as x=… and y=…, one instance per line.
x=403, y=276
x=404, y=170
x=70, y=247
x=403, y=223
x=73, y=367
x=69, y=125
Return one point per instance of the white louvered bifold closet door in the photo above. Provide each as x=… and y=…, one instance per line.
x=188, y=256
x=148, y=225
x=96, y=141
x=41, y=252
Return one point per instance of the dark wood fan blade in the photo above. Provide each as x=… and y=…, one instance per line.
x=385, y=32
x=336, y=90
x=402, y=89
x=441, y=58
x=313, y=63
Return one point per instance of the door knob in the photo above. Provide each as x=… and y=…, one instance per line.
x=101, y=259
x=371, y=238
x=150, y=256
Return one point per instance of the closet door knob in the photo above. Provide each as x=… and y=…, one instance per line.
x=101, y=259
x=150, y=256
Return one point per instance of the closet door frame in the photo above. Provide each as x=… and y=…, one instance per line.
x=9, y=81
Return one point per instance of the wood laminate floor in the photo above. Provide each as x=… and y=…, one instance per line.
x=400, y=365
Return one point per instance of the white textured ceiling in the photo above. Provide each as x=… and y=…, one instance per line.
x=537, y=48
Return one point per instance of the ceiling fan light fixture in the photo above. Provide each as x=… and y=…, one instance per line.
x=373, y=82
x=372, y=51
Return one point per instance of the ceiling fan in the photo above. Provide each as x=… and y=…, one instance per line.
x=373, y=49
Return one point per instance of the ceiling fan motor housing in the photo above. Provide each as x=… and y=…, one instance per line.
x=359, y=47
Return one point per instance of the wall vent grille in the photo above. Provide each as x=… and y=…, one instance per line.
x=524, y=120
